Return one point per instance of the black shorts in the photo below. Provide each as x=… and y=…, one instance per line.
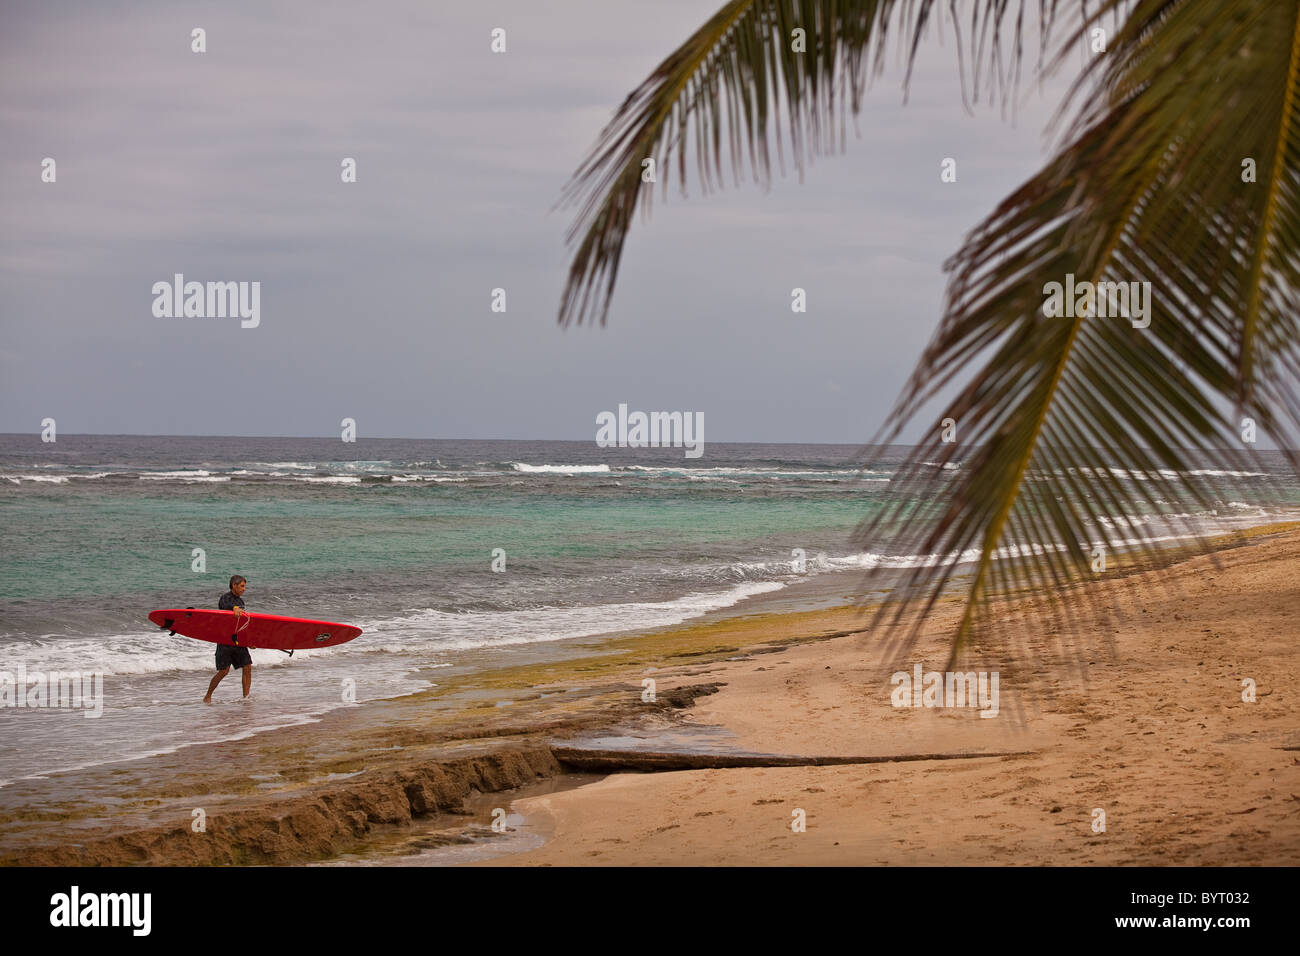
x=236, y=657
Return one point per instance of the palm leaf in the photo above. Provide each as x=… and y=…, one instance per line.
x=1145, y=187
x=734, y=74
x=1149, y=189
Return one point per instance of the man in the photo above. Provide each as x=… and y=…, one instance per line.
x=227, y=655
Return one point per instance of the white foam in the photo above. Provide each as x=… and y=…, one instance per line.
x=196, y=475
x=152, y=652
x=433, y=630
x=559, y=469
x=1214, y=472
x=1167, y=473
x=757, y=470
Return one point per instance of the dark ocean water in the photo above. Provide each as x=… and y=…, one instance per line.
x=399, y=536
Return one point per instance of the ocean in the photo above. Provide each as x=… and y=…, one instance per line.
x=445, y=552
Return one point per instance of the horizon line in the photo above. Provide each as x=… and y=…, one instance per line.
x=335, y=437
x=850, y=444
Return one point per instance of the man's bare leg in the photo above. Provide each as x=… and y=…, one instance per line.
x=217, y=680
x=248, y=677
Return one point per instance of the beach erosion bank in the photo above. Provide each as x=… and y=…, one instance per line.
x=770, y=738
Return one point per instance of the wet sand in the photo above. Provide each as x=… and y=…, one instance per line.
x=1139, y=716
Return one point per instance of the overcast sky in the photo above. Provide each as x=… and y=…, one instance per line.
x=375, y=297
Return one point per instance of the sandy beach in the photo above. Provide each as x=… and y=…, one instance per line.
x=1158, y=737
x=759, y=721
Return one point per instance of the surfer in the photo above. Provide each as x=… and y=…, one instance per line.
x=232, y=655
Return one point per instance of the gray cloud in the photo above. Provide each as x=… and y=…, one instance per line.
x=375, y=296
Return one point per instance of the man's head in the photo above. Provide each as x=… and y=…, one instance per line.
x=237, y=585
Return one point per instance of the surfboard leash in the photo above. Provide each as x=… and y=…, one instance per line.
x=242, y=626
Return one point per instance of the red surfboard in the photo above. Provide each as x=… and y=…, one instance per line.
x=252, y=629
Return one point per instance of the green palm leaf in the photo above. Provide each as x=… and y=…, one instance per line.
x=732, y=76
x=1147, y=187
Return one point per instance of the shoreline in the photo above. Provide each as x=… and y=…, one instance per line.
x=344, y=784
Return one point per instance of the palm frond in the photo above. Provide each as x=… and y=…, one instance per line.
x=1150, y=189
x=1069, y=425
x=733, y=75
